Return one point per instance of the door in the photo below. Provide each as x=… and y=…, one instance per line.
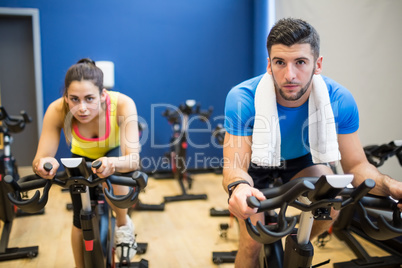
x=18, y=81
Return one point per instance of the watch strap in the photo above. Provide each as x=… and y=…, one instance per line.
x=233, y=185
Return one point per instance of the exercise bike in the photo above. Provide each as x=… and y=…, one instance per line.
x=98, y=250
x=142, y=206
x=219, y=134
x=378, y=212
x=314, y=197
x=8, y=167
x=378, y=154
x=179, y=119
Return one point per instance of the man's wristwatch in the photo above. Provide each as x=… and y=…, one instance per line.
x=233, y=185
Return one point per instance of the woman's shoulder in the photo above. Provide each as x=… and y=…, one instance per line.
x=125, y=104
x=119, y=97
x=55, y=112
x=57, y=109
x=56, y=106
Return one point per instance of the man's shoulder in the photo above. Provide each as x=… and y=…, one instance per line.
x=251, y=83
x=331, y=83
x=246, y=87
x=335, y=89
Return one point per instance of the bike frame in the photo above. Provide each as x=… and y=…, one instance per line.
x=8, y=211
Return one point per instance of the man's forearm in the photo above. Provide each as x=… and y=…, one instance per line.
x=231, y=175
x=367, y=171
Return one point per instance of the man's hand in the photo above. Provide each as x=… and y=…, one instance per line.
x=395, y=190
x=238, y=201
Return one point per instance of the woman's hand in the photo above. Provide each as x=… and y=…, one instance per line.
x=238, y=201
x=106, y=169
x=39, y=170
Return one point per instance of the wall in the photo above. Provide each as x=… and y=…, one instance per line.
x=360, y=43
x=164, y=52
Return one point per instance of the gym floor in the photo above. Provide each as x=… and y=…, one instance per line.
x=183, y=235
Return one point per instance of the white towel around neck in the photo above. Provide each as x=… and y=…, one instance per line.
x=266, y=143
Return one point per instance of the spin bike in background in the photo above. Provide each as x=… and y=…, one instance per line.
x=98, y=250
x=141, y=206
x=370, y=224
x=219, y=134
x=8, y=167
x=179, y=119
x=378, y=154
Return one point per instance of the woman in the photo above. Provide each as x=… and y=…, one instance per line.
x=99, y=125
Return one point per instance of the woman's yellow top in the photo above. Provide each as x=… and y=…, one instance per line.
x=95, y=148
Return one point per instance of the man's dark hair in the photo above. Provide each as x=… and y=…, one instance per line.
x=290, y=31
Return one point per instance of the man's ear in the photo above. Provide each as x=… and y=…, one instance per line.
x=269, y=70
x=318, y=66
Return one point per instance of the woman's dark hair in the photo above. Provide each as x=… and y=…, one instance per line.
x=84, y=69
x=292, y=31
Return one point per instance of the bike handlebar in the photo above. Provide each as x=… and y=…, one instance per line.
x=137, y=181
x=219, y=133
x=190, y=107
x=14, y=123
x=378, y=154
x=322, y=193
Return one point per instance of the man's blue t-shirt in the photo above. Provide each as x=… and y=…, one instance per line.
x=293, y=122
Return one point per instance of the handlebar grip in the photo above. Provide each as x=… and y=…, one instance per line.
x=11, y=184
x=358, y=194
x=47, y=166
x=363, y=189
x=141, y=178
x=97, y=164
x=27, y=118
x=253, y=202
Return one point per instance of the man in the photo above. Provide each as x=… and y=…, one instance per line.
x=289, y=123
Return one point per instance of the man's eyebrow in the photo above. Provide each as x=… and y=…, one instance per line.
x=302, y=58
x=299, y=58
